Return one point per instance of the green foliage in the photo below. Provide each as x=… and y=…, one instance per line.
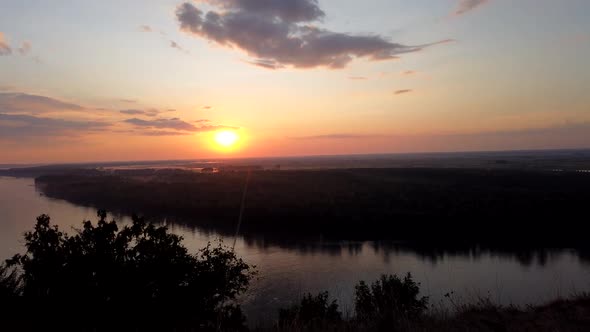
x=389, y=301
x=141, y=267
x=312, y=312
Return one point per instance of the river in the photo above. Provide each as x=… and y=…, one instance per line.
x=289, y=269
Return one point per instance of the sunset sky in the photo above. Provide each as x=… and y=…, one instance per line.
x=138, y=80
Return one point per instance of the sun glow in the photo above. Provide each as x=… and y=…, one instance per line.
x=226, y=138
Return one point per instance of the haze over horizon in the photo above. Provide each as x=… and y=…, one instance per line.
x=136, y=80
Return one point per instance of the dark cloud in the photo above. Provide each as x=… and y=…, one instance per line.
x=25, y=48
x=174, y=124
x=11, y=102
x=145, y=28
x=129, y=101
x=357, y=78
x=202, y=121
x=150, y=112
x=399, y=92
x=465, y=6
x=18, y=125
x=4, y=46
x=278, y=33
x=288, y=11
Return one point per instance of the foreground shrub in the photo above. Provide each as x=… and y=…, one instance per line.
x=9, y=283
x=388, y=302
x=141, y=270
x=313, y=312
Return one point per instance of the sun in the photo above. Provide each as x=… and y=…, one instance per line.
x=226, y=138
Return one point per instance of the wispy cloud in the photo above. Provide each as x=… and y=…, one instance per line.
x=175, y=45
x=150, y=112
x=358, y=78
x=175, y=124
x=11, y=102
x=207, y=107
x=161, y=133
x=281, y=34
x=4, y=46
x=145, y=28
x=465, y=6
x=266, y=64
x=409, y=72
x=129, y=101
x=401, y=92
x=335, y=136
x=19, y=126
x=25, y=48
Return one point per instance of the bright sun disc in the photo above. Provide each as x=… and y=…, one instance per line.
x=226, y=138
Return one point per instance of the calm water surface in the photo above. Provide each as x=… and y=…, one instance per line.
x=288, y=269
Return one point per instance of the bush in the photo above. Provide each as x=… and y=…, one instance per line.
x=312, y=312
x=389, y=301
x=10, y=286
x=141, y=270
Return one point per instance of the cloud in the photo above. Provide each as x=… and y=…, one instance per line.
x=409, y=72
x=357, y=78
x=202, y=120
x=129, y=101
x=277, y=33
x=207, y=107
x=162, y=133
x=399, y=92
x=267, y=64
x=150, y=112
x=19, y=125
x=175, y=45
x=4, y=46
x=175, y=124
x=336, y=136
x=465, y=6
x=145, y=28
x=25, y=48
x=11, y=102
x=289, y=11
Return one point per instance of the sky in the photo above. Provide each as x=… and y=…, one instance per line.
x=150, y=80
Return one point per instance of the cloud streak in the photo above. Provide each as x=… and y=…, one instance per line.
x=19, y=125
x=145, y=28
x=279, y=34
x=150, y=112
x=401, y=92
x=11, y=102
x=174, y=124
x=25, y=48
x=335, y=137
x=465, y=6
x=4, y=46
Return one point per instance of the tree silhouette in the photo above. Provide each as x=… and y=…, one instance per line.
x=140, y=270
x=389, y=302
